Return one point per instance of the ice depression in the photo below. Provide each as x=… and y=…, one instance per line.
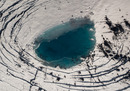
x=64, y=45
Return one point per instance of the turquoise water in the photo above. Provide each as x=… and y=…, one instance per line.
x=65, y=44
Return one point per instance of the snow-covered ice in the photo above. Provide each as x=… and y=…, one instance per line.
x=106, y=69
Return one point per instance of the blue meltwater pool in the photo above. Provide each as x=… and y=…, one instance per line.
x=64, y=45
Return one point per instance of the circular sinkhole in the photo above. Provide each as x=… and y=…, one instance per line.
x=64, y=45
